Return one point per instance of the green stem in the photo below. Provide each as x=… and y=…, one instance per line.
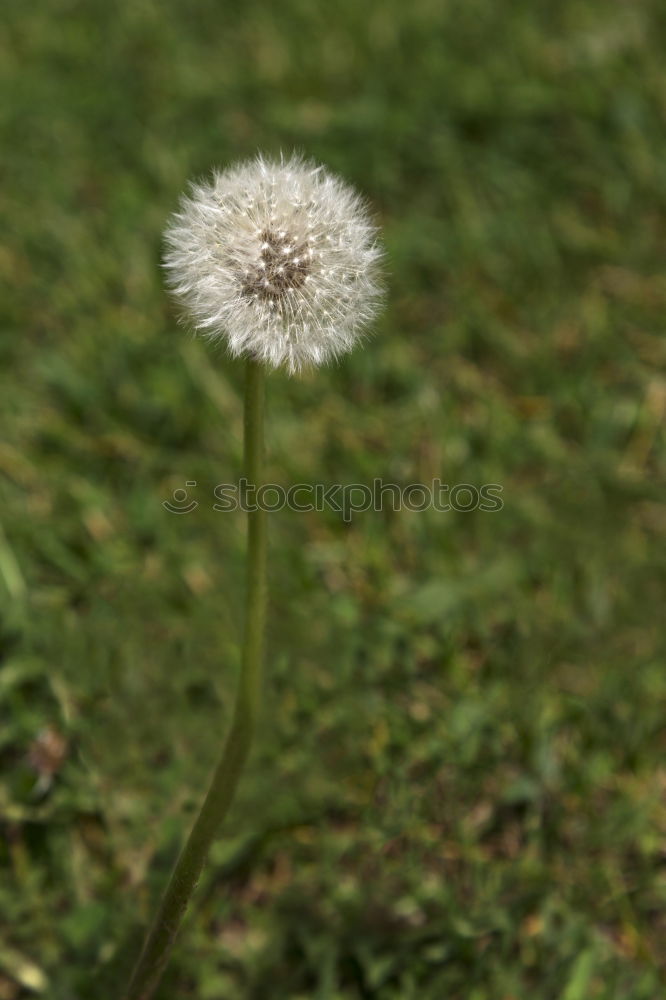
x=155, y=954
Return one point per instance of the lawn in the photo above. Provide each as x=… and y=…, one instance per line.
x=458, y=788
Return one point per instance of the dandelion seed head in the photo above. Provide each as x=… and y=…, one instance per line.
x=278, y=258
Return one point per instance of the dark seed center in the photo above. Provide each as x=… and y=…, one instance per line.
x=283, y=265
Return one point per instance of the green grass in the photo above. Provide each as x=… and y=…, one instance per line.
x=457, y=793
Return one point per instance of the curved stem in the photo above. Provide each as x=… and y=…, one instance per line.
x=153, y=959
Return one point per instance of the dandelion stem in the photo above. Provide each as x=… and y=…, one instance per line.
x=155, y=954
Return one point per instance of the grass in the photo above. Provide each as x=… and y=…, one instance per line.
x=458, y=787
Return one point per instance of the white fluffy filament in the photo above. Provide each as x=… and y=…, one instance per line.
x=279, y=258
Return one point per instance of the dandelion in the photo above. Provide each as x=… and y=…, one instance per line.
x=279, y=258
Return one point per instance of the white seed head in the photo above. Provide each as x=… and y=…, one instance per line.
x=279, y=258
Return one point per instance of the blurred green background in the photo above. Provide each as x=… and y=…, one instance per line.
x=458, y=788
